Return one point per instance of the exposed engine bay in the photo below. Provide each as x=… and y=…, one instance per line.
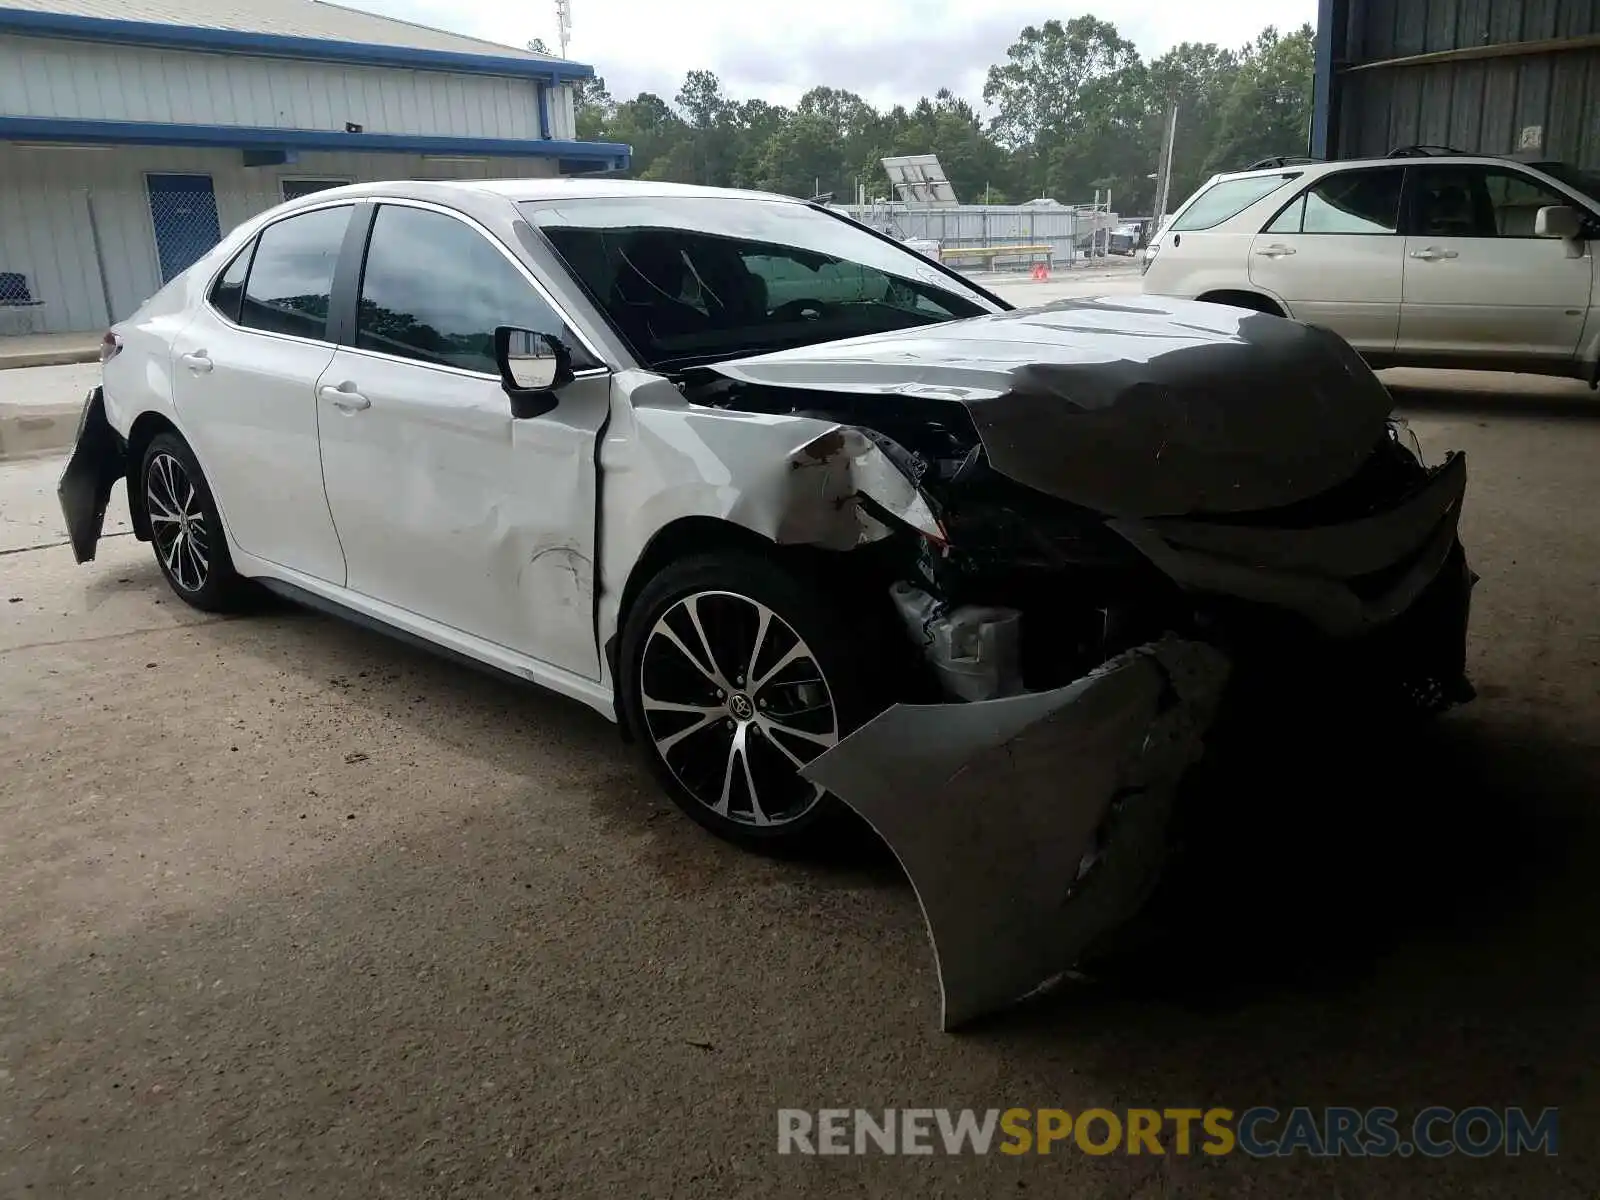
x=1091, y=557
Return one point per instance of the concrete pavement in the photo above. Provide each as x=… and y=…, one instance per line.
x=40, y=407
x=290, y=909
x=48, y=349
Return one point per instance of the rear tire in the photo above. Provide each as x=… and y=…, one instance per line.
x=734, y=671
x=185, y=528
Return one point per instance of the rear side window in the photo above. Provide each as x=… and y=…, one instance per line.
x=229, y=287
x=1227, y=199
x=291, y=277
x=1350, y=202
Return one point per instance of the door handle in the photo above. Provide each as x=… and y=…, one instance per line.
x=345, y=398
x=1433, y=254
x=199, y=362
x=1275, y=251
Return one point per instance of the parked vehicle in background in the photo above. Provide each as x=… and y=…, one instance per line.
x=1125, y=239
x=1420, y=258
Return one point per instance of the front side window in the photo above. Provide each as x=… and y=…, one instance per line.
x=1349, y=202
x=1223, y=201
x=434, y=289
x=1516, y=199
x=1479, y=202
x=689, y=279
x=1585, y=182
x=291, y=276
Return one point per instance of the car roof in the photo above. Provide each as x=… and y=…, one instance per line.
x=563, y=187
x=1396, y=158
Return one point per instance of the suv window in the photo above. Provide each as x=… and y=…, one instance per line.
x=1479, y=202
x=227, y=291
x=1349, y=202
x=434, y=289
x=1227, y=199
x=291, y=276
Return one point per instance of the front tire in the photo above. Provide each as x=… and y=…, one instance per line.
x=185, y=527
x=734, y=673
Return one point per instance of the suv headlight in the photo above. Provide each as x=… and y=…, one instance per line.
x=1148, y=257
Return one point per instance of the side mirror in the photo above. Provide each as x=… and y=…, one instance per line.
x=532, y=366
x=1558, y=221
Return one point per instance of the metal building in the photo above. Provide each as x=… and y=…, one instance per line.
x=1484, y=76
x=134, y=133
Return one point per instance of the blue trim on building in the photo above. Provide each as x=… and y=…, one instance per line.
x=544, y=110
x=1328, y=56
x=273, y=45
x=611, y=156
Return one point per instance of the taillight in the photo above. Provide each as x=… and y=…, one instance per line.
x=110, y=347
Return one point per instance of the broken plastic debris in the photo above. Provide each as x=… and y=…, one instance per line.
x=975, y=650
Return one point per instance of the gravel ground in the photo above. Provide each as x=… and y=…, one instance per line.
x=289, y=909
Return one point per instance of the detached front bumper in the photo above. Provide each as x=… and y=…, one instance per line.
x=1031, y=825
x=99, y=459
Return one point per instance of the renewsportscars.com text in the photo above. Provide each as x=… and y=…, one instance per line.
x=1261, y=1132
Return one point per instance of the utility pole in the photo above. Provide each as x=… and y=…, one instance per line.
x=1164, y=169
x=563, y=24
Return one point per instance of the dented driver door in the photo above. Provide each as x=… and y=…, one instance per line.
x=445, y=505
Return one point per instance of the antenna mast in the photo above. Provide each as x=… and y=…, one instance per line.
x=563, y=24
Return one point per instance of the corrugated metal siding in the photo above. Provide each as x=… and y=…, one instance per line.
x=971, y=225
x=44, y=213
x=44, y=77
x=1480, y=105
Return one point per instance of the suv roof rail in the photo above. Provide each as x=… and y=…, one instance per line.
x=1280, y=160
x=1422, y=151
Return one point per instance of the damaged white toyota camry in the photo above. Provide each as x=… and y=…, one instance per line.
x=821, y=523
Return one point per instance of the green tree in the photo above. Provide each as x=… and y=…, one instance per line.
x=1198, y=78
x=1267, y=110
x=1040, y=90
x=1076, y=110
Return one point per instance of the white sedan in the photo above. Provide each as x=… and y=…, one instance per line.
x=818, y=520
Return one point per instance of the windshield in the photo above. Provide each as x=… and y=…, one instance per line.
x=687, y=279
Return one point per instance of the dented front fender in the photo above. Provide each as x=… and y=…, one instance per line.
x=1031, y=825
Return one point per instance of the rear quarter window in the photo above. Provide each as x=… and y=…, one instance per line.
x=1227, y=199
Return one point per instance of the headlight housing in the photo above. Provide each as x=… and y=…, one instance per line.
x=844, y=489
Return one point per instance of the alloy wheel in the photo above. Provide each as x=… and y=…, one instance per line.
x=735, y=703
x=177, y=523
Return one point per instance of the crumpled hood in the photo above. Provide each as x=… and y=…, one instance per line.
x=1134, y=407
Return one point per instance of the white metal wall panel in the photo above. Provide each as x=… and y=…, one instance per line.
x=46, y=77
x=45, y=198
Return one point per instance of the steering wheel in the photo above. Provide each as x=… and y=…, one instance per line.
x=803, y=309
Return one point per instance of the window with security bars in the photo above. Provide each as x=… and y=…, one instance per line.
x=183, y=215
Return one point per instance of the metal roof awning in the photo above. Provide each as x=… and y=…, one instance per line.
x=604, y=156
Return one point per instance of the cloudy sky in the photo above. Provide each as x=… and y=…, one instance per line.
x=887, y=50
